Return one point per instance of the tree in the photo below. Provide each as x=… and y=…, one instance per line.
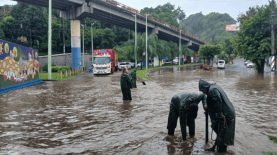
x=167, y=13
x=208, y=51
x=210, y=27
x=228, y=47
x=222, y=55
x=6, y=24
x=253, y=40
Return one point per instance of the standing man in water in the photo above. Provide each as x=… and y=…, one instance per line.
x=185, y=106
x=126, y=85
x=133, y=76
x=222, y=115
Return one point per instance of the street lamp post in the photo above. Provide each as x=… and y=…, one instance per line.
x=136, y=40
x=180, y=48
x=272, y=39
x=83, y=47
x=91, y=43
x=146, y=57
x=49, y=39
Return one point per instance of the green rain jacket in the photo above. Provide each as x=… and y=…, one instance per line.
x=126, y=86
x=180, y=106
x=218, y=103
x=182, y=100
x=133, y=75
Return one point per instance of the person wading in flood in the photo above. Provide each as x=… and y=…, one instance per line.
x=222, y=115
x=185, y=106
x=133, y=76
x=126, y=85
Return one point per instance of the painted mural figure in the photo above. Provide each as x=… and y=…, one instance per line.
x=17, y=64
x=1, y=48
x=20, y=65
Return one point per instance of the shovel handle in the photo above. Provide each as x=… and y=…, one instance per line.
x=207, y=127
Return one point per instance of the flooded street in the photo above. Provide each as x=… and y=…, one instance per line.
x=86, y=114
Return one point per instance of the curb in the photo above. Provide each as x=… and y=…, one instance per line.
x=19, y=86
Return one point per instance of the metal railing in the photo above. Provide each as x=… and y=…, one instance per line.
x=120, y=5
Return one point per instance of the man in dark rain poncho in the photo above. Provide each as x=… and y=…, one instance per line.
x=126, y=85
x=222, y=115
x=185, y=106
x=133, y=76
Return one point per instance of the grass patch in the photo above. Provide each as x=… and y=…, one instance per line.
x=274, y=139
x=56, y=76
x=270, y=153
x=141, y=72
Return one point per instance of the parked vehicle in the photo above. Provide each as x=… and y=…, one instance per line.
x=168, y=62
x=187, y=59
x=105, y=61
x=176, y=60
x=132, y=64
x=221, y=64
x=124, y=64
x=245, y=63
x=250, y=65
x=192, y=61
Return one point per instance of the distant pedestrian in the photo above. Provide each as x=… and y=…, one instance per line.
x=126, y=85
x=185, y=106
x=133, y=76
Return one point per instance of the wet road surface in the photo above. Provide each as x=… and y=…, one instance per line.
x=86, y=114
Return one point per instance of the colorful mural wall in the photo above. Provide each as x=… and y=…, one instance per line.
x=17, y=64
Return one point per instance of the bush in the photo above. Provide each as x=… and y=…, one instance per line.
x=55, y=68
x=65, y=67
x=45, y=67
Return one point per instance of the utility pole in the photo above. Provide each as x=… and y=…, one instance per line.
x=136, y=40
x=273, y=62
x=49, y=39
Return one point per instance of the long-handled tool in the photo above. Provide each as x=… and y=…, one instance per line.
x=207, y=126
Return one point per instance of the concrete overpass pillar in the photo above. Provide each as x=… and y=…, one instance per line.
x=76, y=43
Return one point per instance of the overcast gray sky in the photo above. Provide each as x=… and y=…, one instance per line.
x=232, y=7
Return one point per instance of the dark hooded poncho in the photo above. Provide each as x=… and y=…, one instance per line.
x=133, y=75
x=126, y=86
x=218, y=102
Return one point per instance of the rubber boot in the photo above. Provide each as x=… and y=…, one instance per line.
x=222, y=149
x=171, y=132
x=192, y=131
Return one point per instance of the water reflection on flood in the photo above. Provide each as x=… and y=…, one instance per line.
x=86, y=115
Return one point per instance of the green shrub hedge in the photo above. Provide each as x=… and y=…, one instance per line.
x=56, y=68
x=45, y=67
x=65, y=67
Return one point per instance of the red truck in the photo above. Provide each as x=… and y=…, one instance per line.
x=105, y=61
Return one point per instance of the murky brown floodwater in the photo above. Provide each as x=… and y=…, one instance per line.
x=86, y=115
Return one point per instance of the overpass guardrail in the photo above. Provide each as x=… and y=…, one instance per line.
x=127, y=8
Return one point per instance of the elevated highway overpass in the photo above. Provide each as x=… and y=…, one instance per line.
x=115, y=13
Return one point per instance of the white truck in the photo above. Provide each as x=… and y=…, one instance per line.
x=105, y=61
